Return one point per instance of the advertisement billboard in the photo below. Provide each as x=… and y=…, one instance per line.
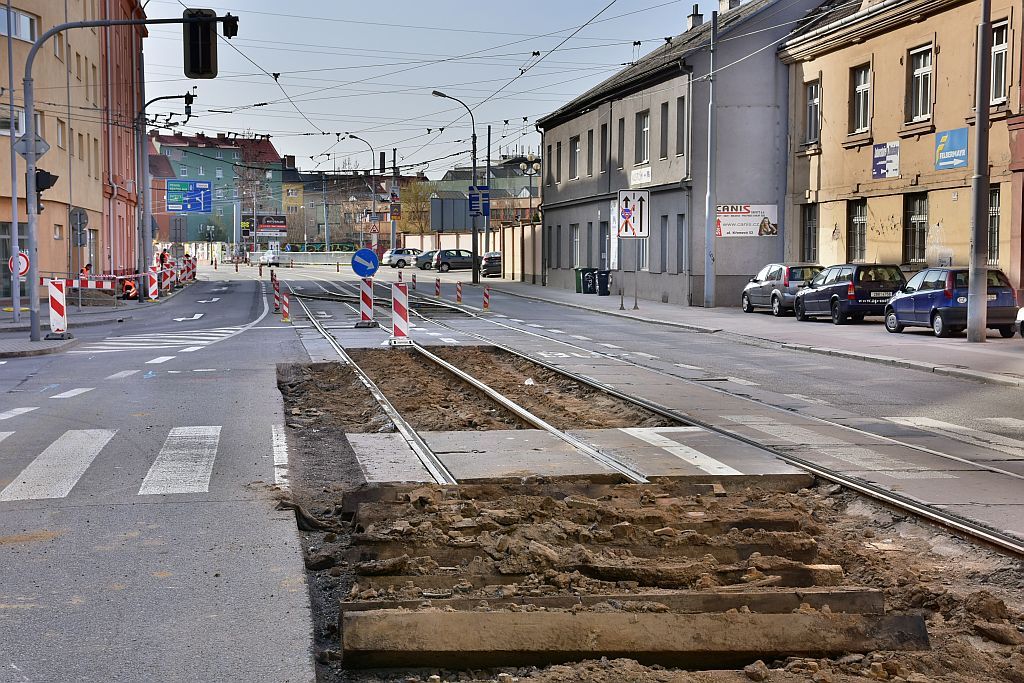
x=747, y=220
x=885, y=161
x=272, y=226
x=951, y=149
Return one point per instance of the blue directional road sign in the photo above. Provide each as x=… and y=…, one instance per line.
x=190, y=196
x=365, y=263
x=480, y=200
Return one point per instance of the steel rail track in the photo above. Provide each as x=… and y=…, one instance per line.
x=423, y=452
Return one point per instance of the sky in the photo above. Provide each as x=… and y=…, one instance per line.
x=368, y=69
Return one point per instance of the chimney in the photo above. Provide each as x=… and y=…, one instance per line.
x=289, y=161
x=221, y=136
x=726, y=5
x=695, y=19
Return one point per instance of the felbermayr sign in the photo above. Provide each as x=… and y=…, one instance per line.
x=951, y=149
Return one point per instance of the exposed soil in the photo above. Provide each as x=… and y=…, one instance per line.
x=330, y=396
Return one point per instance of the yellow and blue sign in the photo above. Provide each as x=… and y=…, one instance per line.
x=951, y=149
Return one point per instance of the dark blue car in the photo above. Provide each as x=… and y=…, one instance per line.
x=849, y=291
x=937, y=298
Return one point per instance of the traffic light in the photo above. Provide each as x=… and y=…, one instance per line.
x=44, y=181
x=230, y=25
x=189, y=99
x=200, y=43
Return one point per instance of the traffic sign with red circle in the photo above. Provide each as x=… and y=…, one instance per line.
x=23, y=264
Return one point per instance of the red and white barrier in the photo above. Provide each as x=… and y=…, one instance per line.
x=79, y=283
x=366, y=300
x=58, y=307
x=437, y=286
x=277, y=295
x=399, y=314
x=284, y=309
x=154, y=282
x=414, y=281
x=487, y=298
x=458, y=292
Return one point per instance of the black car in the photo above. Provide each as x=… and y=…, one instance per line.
x=453, y=259
x=849, y=290
x=424, y=260
x=937, y=298
x=491, y=264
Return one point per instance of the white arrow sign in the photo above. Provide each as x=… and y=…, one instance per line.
x=208, y=301
x=195, y=316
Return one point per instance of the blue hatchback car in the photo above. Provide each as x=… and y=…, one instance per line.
x=937, y=298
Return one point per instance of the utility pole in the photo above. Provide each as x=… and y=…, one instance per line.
x=487, y=180
x=15, y=243
x=710, y=211
x=394, y=193
x=977, y=287
x=327, y=224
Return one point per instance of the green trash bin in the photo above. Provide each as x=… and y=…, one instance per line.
x=579, y=280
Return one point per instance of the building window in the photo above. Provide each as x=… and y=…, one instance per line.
x=680, y=126
x=95, y=85
x=58, y=45
x=915, y=227
x=71, y=142
x=1000, y=48
x=856, y=230
x=81, y=146
x=86, y=88
x=220, y=210
x=603, y=163
x=993, y=226
x=643, y=253
x=200, y=171
x=293, y=192
x=78, y=65
x=236, y=155
x=813, y=94
x=574, y=244
x=558, y=162
x=558, y=246
x=58, y=232
x=663, y=142
x=218, y=173
x=547, y=159
x=96, y=157
x=574, y=158
x=218, y=194
x=622, y=144
x=19, y=121
x=270, y=175
x=919, y=99
x=183, y=171
x=809, y=233
x=19, y=24
x=642, y=153
x=293, y=209
x=590, y=152
x=860, y=98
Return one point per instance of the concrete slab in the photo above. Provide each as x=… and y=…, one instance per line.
x=387, y=458
x=968, y=488
x=509, y=453
x=1003, y=517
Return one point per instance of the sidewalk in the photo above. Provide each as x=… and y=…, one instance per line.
x=998, y=361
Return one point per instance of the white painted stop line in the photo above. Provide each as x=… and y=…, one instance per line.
x=15, y=412
x=280, y=446
x=71, y=393
x=685, y=453
x=58, y=468
x=185, y=463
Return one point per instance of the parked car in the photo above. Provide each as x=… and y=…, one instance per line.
x=270, y=258
x=937, y=298
x=491, y=264
x=849, y=290
x=1020, y=321
x=400, y=258
x=776, y=285
x=425, y=260
x=453, y=259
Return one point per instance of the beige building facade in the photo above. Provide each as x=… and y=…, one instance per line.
x=882, y=134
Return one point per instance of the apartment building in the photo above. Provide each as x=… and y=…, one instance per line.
x=882, y=133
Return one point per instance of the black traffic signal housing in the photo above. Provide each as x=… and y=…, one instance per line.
x=230, y=25
x=189, y=99
x=44, y=181
x=200, y=43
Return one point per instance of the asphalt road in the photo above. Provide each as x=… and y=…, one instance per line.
x=138, y=535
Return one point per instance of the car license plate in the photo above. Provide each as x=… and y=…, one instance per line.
x=991, y=297
x=880, y=295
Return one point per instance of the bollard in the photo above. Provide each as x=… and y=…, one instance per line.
x=284, y=309
x=154, y=283
x=261, y=270
x=291, y=263
x=236, y=266
x=399, y=276
x=458, y=292
x=366, y=303
x=437, y=286
x=399, y=314
x=58, y=311
x=277, y=297
x=215, y=264
x=414, y=280
x=338, y=266
x=487, y=298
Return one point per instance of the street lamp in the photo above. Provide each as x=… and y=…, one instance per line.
x=476, y=262
x=373, y=190
x=530, y=168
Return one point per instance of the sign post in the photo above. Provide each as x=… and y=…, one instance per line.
x=365, y=265
x=633, y=209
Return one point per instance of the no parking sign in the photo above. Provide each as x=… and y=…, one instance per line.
x=23, y=264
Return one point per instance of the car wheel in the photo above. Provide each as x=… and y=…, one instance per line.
x=444, y=267
x=798, y=310
x=400, y=264
x=838, y=317
x=745, y=304
x=777, y=307
x=1006, y=331
x=892, y=323
x=939, y=326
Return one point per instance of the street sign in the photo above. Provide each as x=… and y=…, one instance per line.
x=374, y=217
x=396, y=211
x=22, y=145
x=179, y=229
x=365, y=263
x=375, y=228
x=480, y=200
x=79, y=220
x=23, y=264
x=632, y=209
x=190, y=196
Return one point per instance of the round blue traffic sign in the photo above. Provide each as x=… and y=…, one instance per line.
x=365, y=263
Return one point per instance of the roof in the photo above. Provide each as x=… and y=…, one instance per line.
x=160, y=166
x=258, y=150
x=826, y=13
x=449, y=194
x=664, y=62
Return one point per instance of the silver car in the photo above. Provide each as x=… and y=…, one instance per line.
x=400, y=258
x=776, y=285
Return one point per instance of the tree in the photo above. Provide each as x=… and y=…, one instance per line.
x=416, y=207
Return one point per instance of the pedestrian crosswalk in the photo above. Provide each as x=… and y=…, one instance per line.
x=192, y=340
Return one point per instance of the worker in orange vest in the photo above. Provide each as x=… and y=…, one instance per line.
x=86, y=271
x=129, y=290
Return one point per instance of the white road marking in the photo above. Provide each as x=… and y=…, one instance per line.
x=611, y=346
x=4, y=435
x=515, y=320
x=58, y=468
x=557, y=331
x=744, y=382
x=975, y=437
x=205, y=370
x=533, y=325
x=185, y=463
x=434, y=334
x=692, y=456
x=122, y=374
x=191, y=349
x=3, y=362
x=684, y=366
x=174, y=372
x=15, y=412
x=280, y=444
x=580, y=337
x=645, y=355
x=159, y=359
x=71, y=393
x=808, y=399
x=449, y=340
x=195, y=316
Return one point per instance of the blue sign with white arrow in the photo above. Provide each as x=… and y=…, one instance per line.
x=365, y=263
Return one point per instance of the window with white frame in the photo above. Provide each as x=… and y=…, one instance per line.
x=1000, y=49
x=220, y=154
x=643, y=253
x=183, y=171
x=19, y=24
x=993, y=226
x=270, y=175
x=574, y=244
x=574, y=158
x=58, y=46
x=201, y=171
x=218, y=173
x=293, y=192
x=860, y=99
x=915, y=227
x=919, y=98
x=856, y=230
x=643, y=137
x=218, y=194
x=812, y=92
x=5, y=121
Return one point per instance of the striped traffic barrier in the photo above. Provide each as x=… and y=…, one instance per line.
x=437, y=286
x=487, y=298
x=58, y=311
x=154, y=283
x=277, y=295
x=414, y=281
x=366, y=303
x=78, y=283
x=284, y=309
x=399, y=314
x=458, y=292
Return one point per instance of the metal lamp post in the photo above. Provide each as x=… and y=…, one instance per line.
x=373, y=190
x=476, y=238
x=530, y=168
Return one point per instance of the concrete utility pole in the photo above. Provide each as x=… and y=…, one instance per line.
x=476, y=233
x=327, y=223
x=394, y=191
x=373, y=190
x=15, y=243
x=487, y=180
x=977, y=288
x=710, y=199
